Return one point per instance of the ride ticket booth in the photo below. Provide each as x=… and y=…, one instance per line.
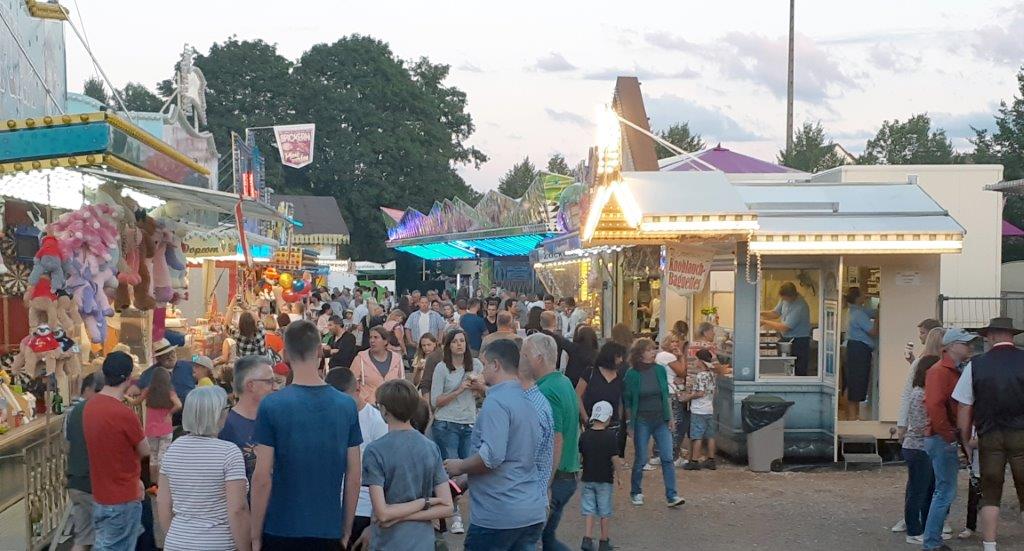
x=730, y=249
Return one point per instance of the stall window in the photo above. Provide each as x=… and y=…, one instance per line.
x=790, y=310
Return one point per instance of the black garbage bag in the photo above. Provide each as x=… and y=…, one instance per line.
x=761, y=410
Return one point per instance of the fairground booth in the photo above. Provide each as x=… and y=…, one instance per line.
x=722, y=249
x=499, y=233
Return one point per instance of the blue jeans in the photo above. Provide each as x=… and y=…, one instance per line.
x=513, y=539
x=562, y=490
x=453, y=439
x=642, y=433
x=945, y=465
x=920, y=487
x=117, y=526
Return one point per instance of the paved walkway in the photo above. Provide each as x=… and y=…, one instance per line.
x=733, y=508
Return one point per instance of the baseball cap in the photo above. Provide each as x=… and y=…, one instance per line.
x=602, y=412
x=117, y=367
x=204, y=361
x=956, y=334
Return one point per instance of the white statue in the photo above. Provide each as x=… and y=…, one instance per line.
x=191, y=88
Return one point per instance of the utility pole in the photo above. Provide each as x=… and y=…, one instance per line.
x=789, y=85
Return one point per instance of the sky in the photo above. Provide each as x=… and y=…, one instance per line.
x=536, y=73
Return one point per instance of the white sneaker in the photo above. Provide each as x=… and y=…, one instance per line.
x=654, y=461
x=900, y=526
x=947, y=537
x=915, y=540
x=649, y=467
x=676, y=502
x=964, y=534
x=947, y=529
x=457, y=527
x=638, y=499
x=680, y=462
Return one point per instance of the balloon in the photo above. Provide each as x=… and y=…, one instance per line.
x=298, y=285
x=285, y=280
x=270, y=274
x=290, y=296
x=305, y=292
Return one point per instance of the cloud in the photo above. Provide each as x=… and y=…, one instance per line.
x=958, y=125
x=762, y=61
x=888, y=57
x=553, y=63
x=643, y=73
x=1001, y=44
x=671, y=42
x=568, y=117
x=469, y=68
x=709, y=122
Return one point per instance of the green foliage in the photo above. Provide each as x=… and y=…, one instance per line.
x=388, y=134
x=518, y=178
x=910, y=142
x=557, y=165
x=95, y=89
x=812, y=150
x=680, y=136
x=1006, y=146
x=138, y=98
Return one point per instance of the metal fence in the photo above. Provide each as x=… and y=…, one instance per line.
x=977, y=311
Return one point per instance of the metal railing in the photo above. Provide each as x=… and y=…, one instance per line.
x=977, y=311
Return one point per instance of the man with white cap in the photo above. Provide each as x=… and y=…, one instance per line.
x=165, y=357
x=941, y=432
x=991, y=397
x=599, y=448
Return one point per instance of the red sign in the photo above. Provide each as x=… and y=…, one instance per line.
x=295, y=142
x=242, y=241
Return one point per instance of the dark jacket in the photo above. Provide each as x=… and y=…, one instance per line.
x=631, y=395
x=997, y=378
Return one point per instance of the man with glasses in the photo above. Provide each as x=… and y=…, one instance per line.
x=254, y=379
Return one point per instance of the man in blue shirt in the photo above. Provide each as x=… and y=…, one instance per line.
x=474, y=326
x=307, y=448
x=181, y=374
x=792, y=318
x=508, y=497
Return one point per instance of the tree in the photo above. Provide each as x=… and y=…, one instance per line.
x=1006, y=146
x=390, y=134
x=910, y=142
x=812, y=150
x=557, y=165
x=518, y=178
x=680, y=136
x=95, y=89
x=137, y=98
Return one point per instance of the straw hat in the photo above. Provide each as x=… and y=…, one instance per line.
x=163, y=347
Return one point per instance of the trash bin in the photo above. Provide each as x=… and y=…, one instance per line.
x=765, y=424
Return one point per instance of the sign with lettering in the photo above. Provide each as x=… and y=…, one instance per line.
x=295, y=142
x=687, y=268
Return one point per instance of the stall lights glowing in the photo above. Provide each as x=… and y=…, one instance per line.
x=709, y=223
x=930, y=244
x=609, y=144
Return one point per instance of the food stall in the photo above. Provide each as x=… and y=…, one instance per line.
x=727, y=245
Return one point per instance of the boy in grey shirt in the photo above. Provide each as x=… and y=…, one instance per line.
x=408, y=484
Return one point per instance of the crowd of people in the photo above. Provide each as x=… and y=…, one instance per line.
x=356, y=427
x=964, y=395
x=345, y=425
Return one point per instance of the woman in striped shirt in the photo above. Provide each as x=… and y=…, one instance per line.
x=202, y=489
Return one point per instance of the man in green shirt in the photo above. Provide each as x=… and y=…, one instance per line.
x=541, y=352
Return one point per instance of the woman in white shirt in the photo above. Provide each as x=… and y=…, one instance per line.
x=202, y=488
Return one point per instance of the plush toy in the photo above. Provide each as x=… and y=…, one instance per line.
x=163, y=258
x=49, y=262
x=142, y=299
x=89, y=241
x=41, y=302
x=178, y=264
x=39, y=346
x=68, y=316
x=69, y=361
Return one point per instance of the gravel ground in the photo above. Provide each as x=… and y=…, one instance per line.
x=733, y=508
